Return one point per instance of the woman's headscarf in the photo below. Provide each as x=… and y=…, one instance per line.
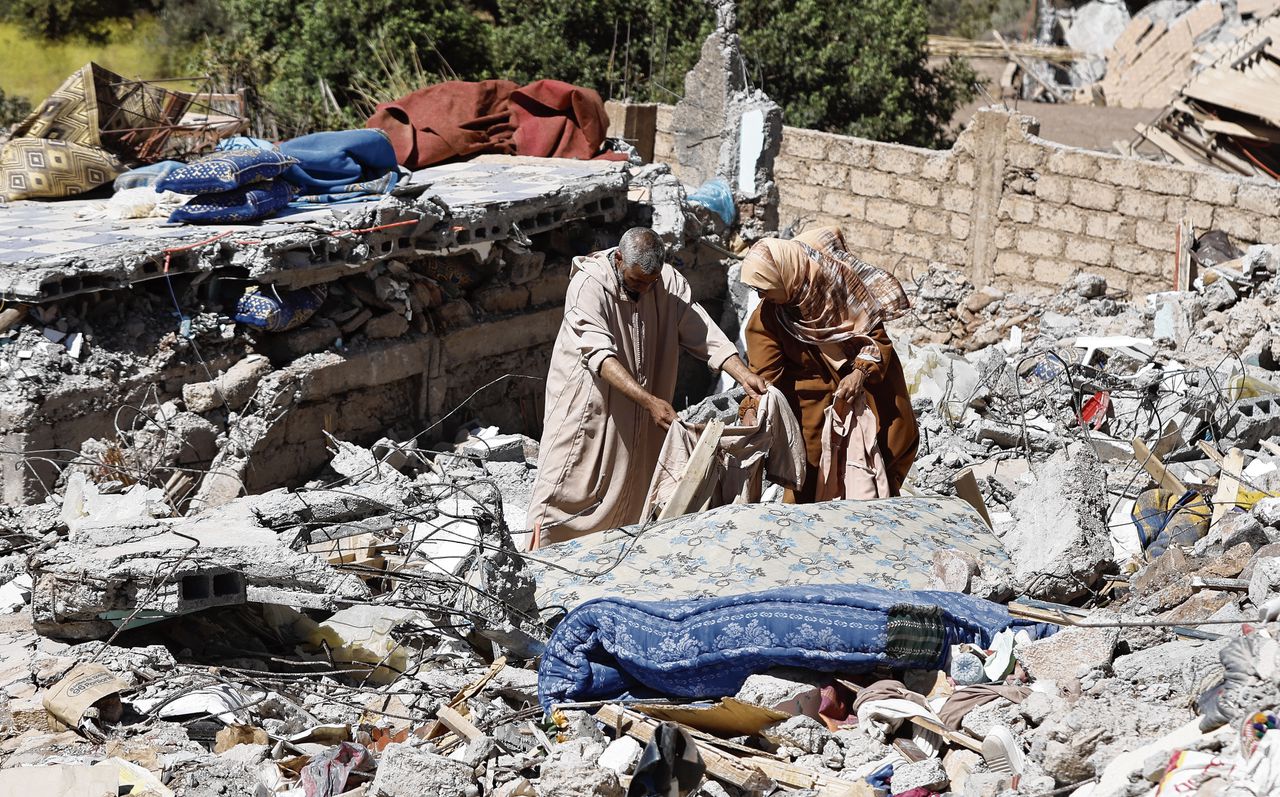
x=832, y=296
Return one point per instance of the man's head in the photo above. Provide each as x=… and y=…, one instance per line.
x=639, y=259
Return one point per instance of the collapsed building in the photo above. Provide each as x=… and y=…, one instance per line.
x=288, y=559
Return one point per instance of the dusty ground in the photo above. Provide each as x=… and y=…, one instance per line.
x=1089, y=126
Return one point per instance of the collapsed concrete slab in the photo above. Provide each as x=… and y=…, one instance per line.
x=128, y=574
x=51, y=251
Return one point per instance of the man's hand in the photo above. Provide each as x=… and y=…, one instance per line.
x=850, y=387
x=662, y=412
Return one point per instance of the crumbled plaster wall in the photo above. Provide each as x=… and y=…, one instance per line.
x=1008, y=207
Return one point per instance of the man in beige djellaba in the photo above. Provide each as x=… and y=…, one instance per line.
x=627, y=315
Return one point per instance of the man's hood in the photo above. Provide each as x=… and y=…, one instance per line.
x=599, y=267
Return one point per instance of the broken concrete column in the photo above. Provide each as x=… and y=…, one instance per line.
x=233, y=388
x=1060, y=544
x=725, y=129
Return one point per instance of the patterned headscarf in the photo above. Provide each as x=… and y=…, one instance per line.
x=832, y=296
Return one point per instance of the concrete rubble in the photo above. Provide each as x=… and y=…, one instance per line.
x=298, y=558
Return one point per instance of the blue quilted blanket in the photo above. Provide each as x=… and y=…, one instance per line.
x=705, y=648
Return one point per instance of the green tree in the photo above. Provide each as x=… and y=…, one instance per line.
x=637, y=49
x=858, y=67
x=57, y=19
x=12, y=110
x=300, y=60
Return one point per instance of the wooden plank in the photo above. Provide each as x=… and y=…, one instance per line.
x=1027, y=70
x=1200, y=583
x=459, y=701
x=966, y=487
x=1159, y=473
x=463, y=727
x=1209, y=451
x=1040, y=615
x=1166, y=142
x=720, y=766
x=693, y=490
x=1228, y=484
x=1182, y=255
x=796, y=777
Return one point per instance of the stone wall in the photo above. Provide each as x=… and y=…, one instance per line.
x=1008, y=207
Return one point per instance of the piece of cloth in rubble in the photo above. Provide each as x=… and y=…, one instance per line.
x=669, y=766
x=1165, y=518
x=882, y=707
x=751, y=547
x=1251, y=665
x=331, y=162
x=326, y=774
x=38, y=168
x=967, y=698
x=611, y=647
x=772, y=446
x=266, y=308
x=851, y=465
x=833, y=299
x=456, y=119
x=597, y=444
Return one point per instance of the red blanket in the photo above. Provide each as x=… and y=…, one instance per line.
x=456, y=120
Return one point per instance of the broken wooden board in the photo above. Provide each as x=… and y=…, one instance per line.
x=1228, y=484
x=966, y=486
x=729, y=717
x=796, y=777
x=1153, y=466
x=721, y=766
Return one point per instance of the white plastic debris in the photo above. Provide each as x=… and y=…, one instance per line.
x=15, y=594
x=621, y=755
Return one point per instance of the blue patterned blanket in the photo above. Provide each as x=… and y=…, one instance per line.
x=611, y=647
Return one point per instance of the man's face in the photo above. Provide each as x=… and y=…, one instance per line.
x=637, y=281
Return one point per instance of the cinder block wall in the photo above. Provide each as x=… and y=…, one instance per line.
x=1007, y=207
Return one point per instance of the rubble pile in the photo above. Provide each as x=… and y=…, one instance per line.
x=377, y=630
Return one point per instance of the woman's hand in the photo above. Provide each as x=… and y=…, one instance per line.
x=850, y=387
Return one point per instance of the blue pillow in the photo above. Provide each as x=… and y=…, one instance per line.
x=231, y=207
x=270, y=310
x=226, y=171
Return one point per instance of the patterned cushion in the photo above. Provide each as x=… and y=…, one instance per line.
x=269, y=310
x=225, y=171
x=38, y=168
x=230, y=207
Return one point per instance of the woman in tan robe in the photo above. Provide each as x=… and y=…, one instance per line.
x=819, y=334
